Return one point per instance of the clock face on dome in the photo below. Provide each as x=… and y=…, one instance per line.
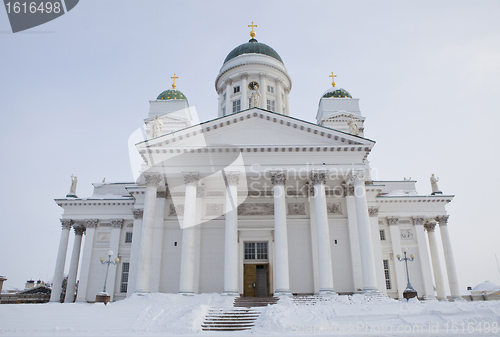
x=253, y=85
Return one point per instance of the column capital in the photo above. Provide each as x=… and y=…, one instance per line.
x=393, y=220
x=161, y=194
x=243, y=75
x=66, y=223
x=228, y=81
x=418, y=220
x=153, y=179
x=318, y=177
x=191, y=178
x=430, y=226
x=90, y=223
x=138, y=213
x=373, y=211
x=357, y=175
x=79, y=230
x=232, y=177
x=263, y=74
x=442, y=219
x=348, y=189
x=117, y=223
x=278, y=177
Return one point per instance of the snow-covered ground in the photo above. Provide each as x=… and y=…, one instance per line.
x=169, y=314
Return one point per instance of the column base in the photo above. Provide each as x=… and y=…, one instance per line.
x=442, y=299
x=186, y=293
x=430, y=298
x=280, y=293
x=327, y=292
x=231, y=293
x=457, y=299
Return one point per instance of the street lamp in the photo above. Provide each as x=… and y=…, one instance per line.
x=409, y=291
x=104, y=297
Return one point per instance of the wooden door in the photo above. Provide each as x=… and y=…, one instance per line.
x=262, y=286
x=250, y=280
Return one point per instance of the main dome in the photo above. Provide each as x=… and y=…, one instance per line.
x=253, y=47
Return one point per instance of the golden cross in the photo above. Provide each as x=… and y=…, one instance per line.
x=333, y=79
x=173, y=85
x=252, y=33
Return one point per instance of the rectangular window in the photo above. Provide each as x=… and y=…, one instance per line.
x=382, y=235
x=270, y=105
x=223, y=111
x=250, y=102
x=282, y=96
x=224, y=97
x=270, y=89
x=236, y=105
x=256, y=251
x=236, y=89
x=124, y=280
x=128, y=237
x=387, y=275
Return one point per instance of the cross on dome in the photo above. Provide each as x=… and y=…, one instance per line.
x=333, y=79
x=252, y=33
x=173, y=84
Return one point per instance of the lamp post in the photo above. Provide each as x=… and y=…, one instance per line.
x=409, y=291
x=104, y=297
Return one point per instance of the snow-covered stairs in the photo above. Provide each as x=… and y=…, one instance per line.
x=235, y=319
x=251, y=302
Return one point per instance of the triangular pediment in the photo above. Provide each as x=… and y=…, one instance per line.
x=257, y=127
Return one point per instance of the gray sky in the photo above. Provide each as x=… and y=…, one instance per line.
x=74, y=89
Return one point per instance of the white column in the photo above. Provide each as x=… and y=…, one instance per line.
x=221, y=99
x=396, y=249
x=134, y=250
x=365, y=236
x=287, y=106
x=278, y=179
x=114, y=245
x=200, y=192
x=61, y=260
x=436, y=264
x=154, y=283
x=229, y=105
x=231, y=234
x=186, y=284
x=244, y=91
x=314, y=241
x=145, y=252
x=73, y=267
x=377, y=249
x=322, y=234
x=90, y=225
x=449, y=259
x=423, y=257
x=278, y=95
x=263, y=91
x=357, y=273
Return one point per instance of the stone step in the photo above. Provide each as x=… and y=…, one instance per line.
x=229, y=319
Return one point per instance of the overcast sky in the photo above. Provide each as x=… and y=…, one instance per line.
x=74, y=89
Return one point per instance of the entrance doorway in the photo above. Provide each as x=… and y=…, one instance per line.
x=256, y=280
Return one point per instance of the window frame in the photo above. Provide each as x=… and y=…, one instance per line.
x=124, y=277
x=236, y=105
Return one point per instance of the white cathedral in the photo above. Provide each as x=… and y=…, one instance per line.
x=255, y=203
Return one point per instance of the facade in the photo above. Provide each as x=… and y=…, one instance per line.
x=255, y=202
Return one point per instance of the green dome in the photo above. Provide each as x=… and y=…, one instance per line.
x=171, y=94
x=337, y=93
x=253, y=47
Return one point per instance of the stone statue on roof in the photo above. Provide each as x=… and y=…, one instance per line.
x=434, y=185
x=353, y=127
x=255, y=99
x=157, y=126
x=72, y=189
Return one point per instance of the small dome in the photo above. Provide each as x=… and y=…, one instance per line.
x=337, y=93
x=253, y=47
x=171, y=94
x=486, y=286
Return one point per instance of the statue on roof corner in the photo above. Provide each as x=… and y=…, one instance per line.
x=434, y=185
x=72, y=190
x=157, y=126
x=353, y=128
